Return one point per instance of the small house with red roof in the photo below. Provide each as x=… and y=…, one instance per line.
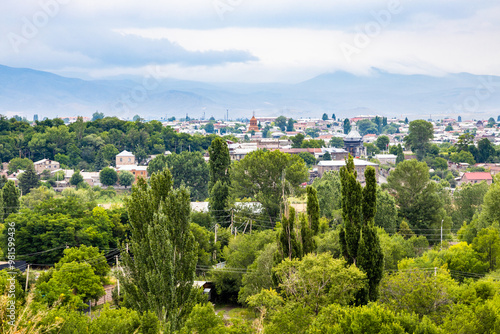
x=476, y=177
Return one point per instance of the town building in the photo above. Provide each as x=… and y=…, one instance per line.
x=91, y=178
x=253, y=125
x=353, y=143
x=46, y=164
x=336, y=153
x=138, y=171
x=359, y=166
x=125, y=158
x=476, y=177
x=386, y=158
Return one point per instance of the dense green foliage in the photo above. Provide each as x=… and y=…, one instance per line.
x=419, y=199
x=46, y=229
x=108, y=176
x=188, y=169
x=79, y=144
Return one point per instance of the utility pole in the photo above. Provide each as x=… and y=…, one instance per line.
x=231, y=226
x=27, y=278
x=117, y=280
x=442, y=234
x=215, y=241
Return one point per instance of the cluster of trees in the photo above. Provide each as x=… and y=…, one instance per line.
x=377, y=125
x=418, y=140
x=55, y=301
x=465, y=150
x=93, y=145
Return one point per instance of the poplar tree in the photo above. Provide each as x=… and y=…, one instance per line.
x=288, y=245
x=358, y=238
x=159, y=273
x=220, y=182
x=306, y=236
x=313, y=209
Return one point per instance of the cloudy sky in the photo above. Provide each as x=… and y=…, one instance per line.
x=250, y=40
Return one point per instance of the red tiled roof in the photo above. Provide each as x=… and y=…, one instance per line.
x=478, y=176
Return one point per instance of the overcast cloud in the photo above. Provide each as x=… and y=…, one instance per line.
x=250, y=40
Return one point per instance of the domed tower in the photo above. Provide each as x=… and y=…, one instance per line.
x=253, y=125
x=353, y=143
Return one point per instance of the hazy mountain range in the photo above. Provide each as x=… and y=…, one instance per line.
x=26, y=92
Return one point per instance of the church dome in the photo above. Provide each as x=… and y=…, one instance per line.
x=353, y=135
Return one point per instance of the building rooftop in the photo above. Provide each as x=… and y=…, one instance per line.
x=131, y=167
x=353, y=135
x=385, y=156
x=125, y=154
x=357, y=162
x=478, y=176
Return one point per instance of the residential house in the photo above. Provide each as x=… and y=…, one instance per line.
x=336, y=153
x=91, y=178
x=386, y=158
x=46, y=164
x=125, y=158
x=138, y=171
x=476, y=177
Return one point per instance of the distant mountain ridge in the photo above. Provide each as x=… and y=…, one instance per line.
x=26, y=92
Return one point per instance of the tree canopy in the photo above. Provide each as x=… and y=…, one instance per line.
x=419, y=135
x=269, y=177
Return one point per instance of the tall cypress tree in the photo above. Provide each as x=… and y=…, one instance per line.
x=347, y=126
x=358, y=238
x=306, y=236
x=313, y=209
x=10, y=198
x=370, y=256
x=400, y=157
x=219, y=163
x=159, y=276
x=220, y=181
x=351, y=211
x=2, y=211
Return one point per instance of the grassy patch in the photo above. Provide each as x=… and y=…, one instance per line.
x=242, y=313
